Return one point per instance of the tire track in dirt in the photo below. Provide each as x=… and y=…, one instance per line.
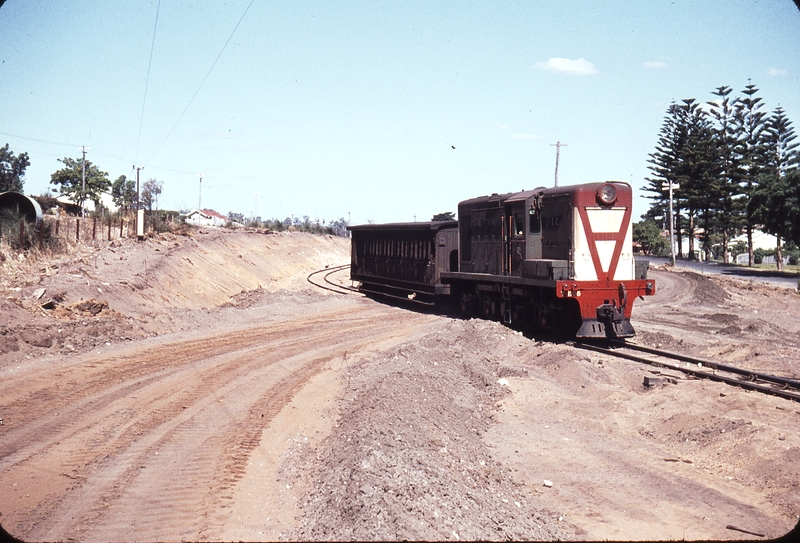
x=89, y=384
x=202, y=404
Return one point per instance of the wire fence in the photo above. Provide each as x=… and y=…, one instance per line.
x=58, y=230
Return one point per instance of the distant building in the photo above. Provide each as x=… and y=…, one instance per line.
x=761, y=240
x=71, y=207
x=206, y=217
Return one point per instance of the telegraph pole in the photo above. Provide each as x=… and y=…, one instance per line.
x=558, y=145
x=83, y=148
x=671, y=187
x=136, y=217
x=200, y=195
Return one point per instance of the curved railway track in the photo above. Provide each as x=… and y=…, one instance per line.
x=705, y=369
x=696, y=367
x=328, y=284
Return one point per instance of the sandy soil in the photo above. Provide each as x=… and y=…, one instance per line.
x=197, y=387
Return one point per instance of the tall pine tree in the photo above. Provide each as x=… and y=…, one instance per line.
x=774, y=200
x=664, y=163
x=751, y=128
x=730, y=207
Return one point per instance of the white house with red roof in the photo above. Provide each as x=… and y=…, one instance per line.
x=206, y=217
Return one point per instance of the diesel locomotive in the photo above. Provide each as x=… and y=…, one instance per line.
x=555, y=259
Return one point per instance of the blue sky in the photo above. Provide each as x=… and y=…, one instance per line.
x=330, y=108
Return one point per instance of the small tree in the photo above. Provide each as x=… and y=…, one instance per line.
x=123, y=192
x=150, y=192
x=446, y=216
x=649, y=235
x=12, y=170
x=70, y=181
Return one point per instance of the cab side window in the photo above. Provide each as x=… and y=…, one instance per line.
x=535, y=222
x=519, y=224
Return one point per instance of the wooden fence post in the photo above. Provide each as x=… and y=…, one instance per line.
x=109, y=229
x=94, y=229
x=77, y=229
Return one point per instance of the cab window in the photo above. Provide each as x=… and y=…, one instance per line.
x=519, y=224
x=535, y=222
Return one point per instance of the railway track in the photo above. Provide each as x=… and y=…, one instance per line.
x=327, y=284
x=705, y=369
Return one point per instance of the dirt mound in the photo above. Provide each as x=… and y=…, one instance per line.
x=128, y=289
x=407, y=459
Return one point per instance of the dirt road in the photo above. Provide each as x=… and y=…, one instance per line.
x=151, y=438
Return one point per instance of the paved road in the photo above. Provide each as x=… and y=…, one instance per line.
x=773, y=277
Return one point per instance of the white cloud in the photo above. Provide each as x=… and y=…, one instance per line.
x=524, y=136
x=568, y=66
x=503, y=126
x=655, y=65
x=776, y=71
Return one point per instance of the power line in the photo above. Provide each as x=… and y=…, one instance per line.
x=147, y=82
x=204, y=79
x=40, y=140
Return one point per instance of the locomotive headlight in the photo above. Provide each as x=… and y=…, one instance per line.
x=607, y=194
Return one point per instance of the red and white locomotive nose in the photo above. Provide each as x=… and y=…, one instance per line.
x=606, y=280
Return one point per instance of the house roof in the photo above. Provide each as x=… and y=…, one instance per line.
x=212, y=213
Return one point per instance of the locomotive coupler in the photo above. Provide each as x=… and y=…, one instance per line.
x=610, y=314
x=613, y=315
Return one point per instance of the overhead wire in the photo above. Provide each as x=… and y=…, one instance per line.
x=203, y=81
x=147, y=82
x=40, y=140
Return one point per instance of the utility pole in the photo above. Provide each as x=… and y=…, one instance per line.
x=138, y=168
x=558, y=145
x=136, y=219
x=255, y=208
x=83, y=148
x=200, y=195
x=671, y=187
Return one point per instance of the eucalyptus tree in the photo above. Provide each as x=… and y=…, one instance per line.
x=151, y=190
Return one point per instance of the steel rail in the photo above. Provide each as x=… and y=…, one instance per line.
x=746, y=384
x=330, y=271
x=336, y=270
x=783, y=381
x=395, y=297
